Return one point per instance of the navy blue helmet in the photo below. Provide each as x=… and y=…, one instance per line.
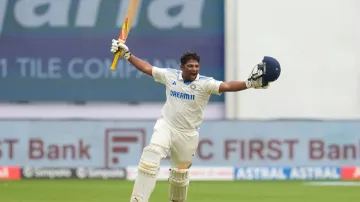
x=268, y=71
x=271, y=69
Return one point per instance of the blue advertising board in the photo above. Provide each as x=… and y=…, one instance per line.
x=288, y=173
x=60, y=50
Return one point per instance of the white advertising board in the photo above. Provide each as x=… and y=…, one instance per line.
x=119, y=143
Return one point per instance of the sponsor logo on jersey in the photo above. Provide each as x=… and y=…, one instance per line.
x=181, y=95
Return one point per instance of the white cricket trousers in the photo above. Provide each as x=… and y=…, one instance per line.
x=182, y=145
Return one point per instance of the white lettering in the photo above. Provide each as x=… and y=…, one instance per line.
x=87, y=13
x=37, y=13
x=54, y=68
x=313, y=173
x=56, y=13
x=189, y=17
x=95, y=68
x=260, y=173
x=77, y=68
x=38, y=70
x=23, y=65
x=93, y=62
x=71, y=69
x=35, y=68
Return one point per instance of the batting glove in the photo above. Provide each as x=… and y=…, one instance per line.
x=118, y=45
x=256, y=79
x=256, y=83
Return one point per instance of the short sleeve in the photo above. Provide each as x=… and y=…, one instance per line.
x=213, y=86
x=159, y=74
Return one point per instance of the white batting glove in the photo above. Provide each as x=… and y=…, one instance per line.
x=256, y=83
x=118, y=45
x=256, y=79
x=114, y=46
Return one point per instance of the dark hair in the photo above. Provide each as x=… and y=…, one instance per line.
x=187, y=56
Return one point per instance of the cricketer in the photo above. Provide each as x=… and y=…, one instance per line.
x=177, y=130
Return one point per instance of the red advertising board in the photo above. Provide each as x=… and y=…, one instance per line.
x=350, y=173
x=10, y=173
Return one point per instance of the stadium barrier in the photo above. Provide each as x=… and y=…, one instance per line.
x=17, y=173
x=297, y=173
x=288, y=173
x=118, y=144
x=262, y=173
x=197, y=173
x=73, y=173
x=10, y=173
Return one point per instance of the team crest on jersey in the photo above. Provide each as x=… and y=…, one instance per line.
x=193, y=86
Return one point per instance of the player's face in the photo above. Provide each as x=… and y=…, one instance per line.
x=190, y=70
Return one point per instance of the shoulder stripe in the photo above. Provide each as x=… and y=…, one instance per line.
x=204, y=77
x=173, y=70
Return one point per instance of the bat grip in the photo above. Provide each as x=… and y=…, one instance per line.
x=115, y=60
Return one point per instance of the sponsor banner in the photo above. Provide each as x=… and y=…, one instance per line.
x=40, y=73
x=10, y=173
x=113, y=144
x=67, y=173
x=197, y=173
x=46, y=173
x=100, y=173
x=287, y=173
x=350, y=173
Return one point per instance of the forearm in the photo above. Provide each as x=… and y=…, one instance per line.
x=238, y=85
x=233, y=86
x=141, y=65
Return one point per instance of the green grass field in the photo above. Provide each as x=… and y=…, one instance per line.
x=118, y=191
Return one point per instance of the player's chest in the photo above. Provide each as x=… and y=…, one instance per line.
x=179, y=85
x=178, y=89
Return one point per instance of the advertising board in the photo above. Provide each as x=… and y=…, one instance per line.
x=67, y=55
x=112, y=144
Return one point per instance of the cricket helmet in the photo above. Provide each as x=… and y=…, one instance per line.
x=268, y=70
x=271, y=69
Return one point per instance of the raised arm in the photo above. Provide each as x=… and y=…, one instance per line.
x=140, y=64
x=261, y=76
x=232, y=86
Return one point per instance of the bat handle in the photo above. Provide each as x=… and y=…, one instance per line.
x=115, y=60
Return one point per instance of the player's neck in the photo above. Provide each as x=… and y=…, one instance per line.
x=185, y=80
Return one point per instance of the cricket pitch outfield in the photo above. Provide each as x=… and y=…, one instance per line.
x=212, y=191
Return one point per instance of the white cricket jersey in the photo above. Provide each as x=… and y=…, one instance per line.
x=185, y=103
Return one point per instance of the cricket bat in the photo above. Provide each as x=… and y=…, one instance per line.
x=125, y=29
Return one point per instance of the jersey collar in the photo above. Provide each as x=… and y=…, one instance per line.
x=181, y=78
